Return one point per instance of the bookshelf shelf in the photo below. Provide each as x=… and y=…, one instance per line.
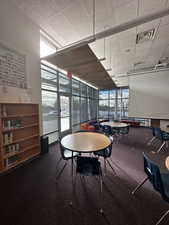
x=20, y=152
x=22, y=140
x=19, y=116
x=18, y=128
x=21, y=161
x=19, y=134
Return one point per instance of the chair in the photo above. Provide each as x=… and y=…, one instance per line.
x=89, y=166
x=108, y=130
x=124, y=130
x=153, y=138
x=162, y=136
x=65, y=155
x=106, y=153
x=160, y=181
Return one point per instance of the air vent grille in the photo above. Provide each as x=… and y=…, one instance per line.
x=147, y=35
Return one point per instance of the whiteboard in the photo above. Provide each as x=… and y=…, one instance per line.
x=12, y=68
x=149, y=95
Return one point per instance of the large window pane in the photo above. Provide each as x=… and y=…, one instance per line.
x=49, y=80
x=103, y=108
x=84, y=110
x=83, y=89
x=94, y=109
x=119, y=104
x=125, y=103
x=64, y=84
x=75, y=110
x=113, y=93
x=103, y=94
x=65, y=112
x=49, y=111
x=125, y=93
x=90, y=92
x=75, y=87
x=95, y=94
x=119, y=93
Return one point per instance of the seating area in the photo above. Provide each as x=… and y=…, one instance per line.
x=48, y=201
x=84, y=113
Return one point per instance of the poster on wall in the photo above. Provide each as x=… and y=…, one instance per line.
x=12, y=68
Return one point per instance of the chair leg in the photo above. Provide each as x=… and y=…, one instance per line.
x=59, y=162
x=105, y=167
x=101, y=194
x=150, y=142
x=111, y=167
x=162, y=217
x=139, y=186
x=161, y=147
x=61, y=171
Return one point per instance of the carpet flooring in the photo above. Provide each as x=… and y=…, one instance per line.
x=29, y=195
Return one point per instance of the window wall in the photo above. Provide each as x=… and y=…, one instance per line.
x=113, y=104
x=83, y=102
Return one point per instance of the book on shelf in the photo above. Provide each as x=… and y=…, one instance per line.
x=12, y=148
x=8, y=138
x=4, y=111
x=11, y=160
x=7, y=124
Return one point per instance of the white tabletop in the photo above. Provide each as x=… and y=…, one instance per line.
x=115, y=124
x=85, y=142
x=165, y=129
x=167, y=162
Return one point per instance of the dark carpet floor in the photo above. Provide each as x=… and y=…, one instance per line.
x=29, y=194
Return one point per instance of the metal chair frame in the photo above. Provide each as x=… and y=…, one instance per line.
x=158, y=186
x=100, y=181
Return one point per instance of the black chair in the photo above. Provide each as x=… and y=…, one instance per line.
x=90, y=166
x=66, y=155
x=124, y=130
x=162, y=137
x=160, y=181
x=109, y=131
x=153, y=138
x=106, y=154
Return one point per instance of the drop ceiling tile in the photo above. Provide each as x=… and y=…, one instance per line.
x=126, y=12
x=66, y=31
x=149, y=6
x=163, y=32
x=165, y=20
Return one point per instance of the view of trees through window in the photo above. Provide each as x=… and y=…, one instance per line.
x=65, y=102
x=113, y=104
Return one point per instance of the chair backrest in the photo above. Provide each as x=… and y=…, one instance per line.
x=154, y=175
x=124, y=130
x=107, y=130
x=108, y=151
x=157, y=132
x=165, y=136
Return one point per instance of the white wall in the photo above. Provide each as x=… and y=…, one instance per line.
x=149, y=95
x=20, y=33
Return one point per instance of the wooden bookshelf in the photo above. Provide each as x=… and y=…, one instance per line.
x=19, y=134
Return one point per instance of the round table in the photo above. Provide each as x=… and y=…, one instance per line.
x=85, y=142
x=165, y=129
x=167, y=162
x=115, y=124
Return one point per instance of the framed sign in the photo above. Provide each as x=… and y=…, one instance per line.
x=12, y=68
